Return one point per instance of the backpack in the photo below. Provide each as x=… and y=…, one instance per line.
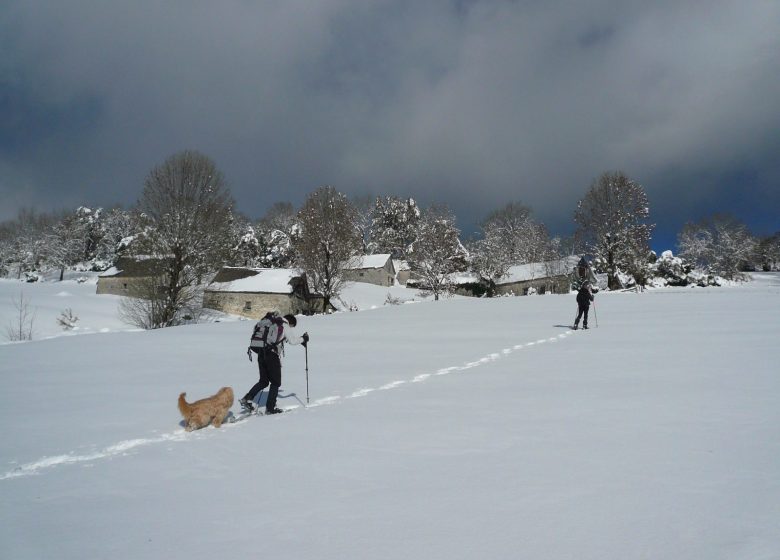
x=268, y=333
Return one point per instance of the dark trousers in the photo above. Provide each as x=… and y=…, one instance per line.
x=583, y=310
x=270, y=373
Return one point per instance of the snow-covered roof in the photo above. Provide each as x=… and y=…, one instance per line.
x=261, y=280
x=113, y=271
x=461, y=278
x=532, y=271
x=135, y=266
x=369, y=261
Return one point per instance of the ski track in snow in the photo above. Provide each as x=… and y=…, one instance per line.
x=125, y=447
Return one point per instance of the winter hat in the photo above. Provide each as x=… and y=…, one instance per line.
x=291, y=320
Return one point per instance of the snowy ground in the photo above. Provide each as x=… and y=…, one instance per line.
x=458, y=429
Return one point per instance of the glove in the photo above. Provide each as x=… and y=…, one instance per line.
x=305, y=338
x=249, y=353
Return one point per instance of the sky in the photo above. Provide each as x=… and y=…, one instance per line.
x=468, y=103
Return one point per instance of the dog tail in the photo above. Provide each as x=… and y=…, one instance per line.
x=184, y=406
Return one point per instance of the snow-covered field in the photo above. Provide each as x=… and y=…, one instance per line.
x=458, y=429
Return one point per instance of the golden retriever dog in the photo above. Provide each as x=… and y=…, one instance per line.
x=211, y=410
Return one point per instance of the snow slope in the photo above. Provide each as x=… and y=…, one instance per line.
x=463, y=428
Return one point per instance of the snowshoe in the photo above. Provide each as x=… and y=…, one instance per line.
x=246, y=405
x=273, y=410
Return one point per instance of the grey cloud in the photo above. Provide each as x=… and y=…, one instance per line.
x=470, y=103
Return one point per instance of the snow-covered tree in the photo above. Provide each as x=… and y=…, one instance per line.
x=395, y=225
x=721, y=245
x=514, y=230
x=26, y=244
x=490, y=260
x=668, y=270
x=274, y=232
x=327, y=240
x=612, y=220
x=768, y=253
x=437, y=252
x=117, y=229
x=65, y=243
x=364, y=210
x=247, y=249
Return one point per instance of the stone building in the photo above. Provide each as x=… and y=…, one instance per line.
x=127, y=275
x=552, y=277
x=372, y=269
x=403, y=272
x=253, y=292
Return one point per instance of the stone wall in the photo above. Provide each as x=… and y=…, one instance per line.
x=379, y=276
x=253, y=305
x=117, y=286
x=556, y=285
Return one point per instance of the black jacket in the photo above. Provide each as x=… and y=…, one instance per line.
x=584, y=297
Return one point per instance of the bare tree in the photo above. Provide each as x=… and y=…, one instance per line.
x=612, y=223
x=21, y=325
x=280, y=216
x=187, y=209
x=437, y=252
x=328, y=239
x=147, y=303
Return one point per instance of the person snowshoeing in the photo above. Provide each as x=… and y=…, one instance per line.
x=268, y=338
x=584, y=297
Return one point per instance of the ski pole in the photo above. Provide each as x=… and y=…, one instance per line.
x=595, y=316
x=306, y=349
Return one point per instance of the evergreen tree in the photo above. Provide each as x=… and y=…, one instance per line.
x=395, y=225
x=274, y=233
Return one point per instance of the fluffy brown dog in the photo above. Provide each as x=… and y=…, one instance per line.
x=210, y=410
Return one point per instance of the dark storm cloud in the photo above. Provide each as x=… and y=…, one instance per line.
x=470, y=103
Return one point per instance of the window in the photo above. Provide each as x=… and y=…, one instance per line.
x=248, y=306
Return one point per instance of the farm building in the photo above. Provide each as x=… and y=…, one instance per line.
x=127, y=274
x=545, y=277
x=403, y=271
x=372, y=269
x=252, y=292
